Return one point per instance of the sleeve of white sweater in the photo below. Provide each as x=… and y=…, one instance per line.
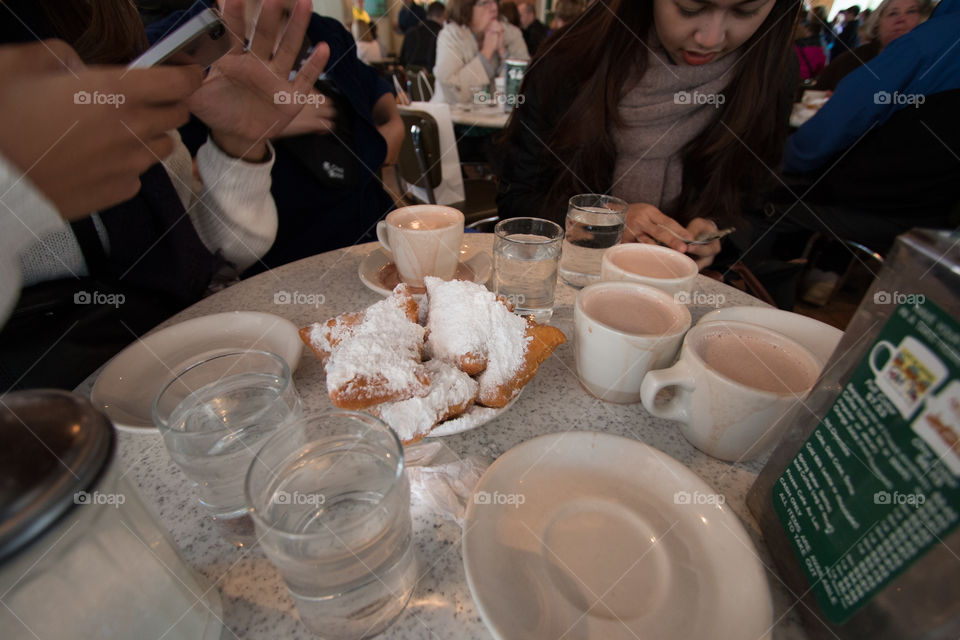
x=25, y=215
x=230, y=205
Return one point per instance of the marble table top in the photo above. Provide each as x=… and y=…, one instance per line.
x=255, y=601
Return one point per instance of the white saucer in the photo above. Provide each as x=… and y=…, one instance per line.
x=126, y=387
x=594, y=536
x=821, y=339
x=375, y=269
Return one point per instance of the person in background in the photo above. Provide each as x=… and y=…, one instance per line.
x=154, y=242
x=880, y=155
x=602, y=115
x=411, y=15
x=534, y=31
x=863, y=36
x=368, y=49
x=848, y=37
x=509, y=12
x=567, y=11
x=472, y=47
x=892, y=19
x=810, y=52
x=420, y=44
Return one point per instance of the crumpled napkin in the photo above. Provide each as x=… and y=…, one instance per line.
x=442, y=482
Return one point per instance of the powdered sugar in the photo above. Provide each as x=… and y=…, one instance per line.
x=466, y=318
x=385, y=345
x=450, y=389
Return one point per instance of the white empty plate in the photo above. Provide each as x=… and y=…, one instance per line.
x=821, y=339
x=126, y=387
x=592, y=536
x=378, y=272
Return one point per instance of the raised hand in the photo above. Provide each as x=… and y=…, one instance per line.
x=247, y=97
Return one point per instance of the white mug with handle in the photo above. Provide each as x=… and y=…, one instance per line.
x=733, y=383
x=423, y=240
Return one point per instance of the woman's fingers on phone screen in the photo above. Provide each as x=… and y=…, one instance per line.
x=646, y=220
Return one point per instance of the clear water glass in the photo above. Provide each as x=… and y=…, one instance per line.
x=214, y=416
x=526, y=252
x=331, y=504
x=594, y=223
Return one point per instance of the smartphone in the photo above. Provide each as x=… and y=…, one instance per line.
x=202, y=40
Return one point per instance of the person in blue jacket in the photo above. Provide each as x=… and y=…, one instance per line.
x=921, y=63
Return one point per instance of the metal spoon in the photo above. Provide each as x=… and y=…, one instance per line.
x=702, y=238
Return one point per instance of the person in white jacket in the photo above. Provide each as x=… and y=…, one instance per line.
x=471, y=49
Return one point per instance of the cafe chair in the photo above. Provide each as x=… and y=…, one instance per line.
x=419, y=165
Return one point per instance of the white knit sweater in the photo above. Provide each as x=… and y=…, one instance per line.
x=460, y=65
x=230, y=207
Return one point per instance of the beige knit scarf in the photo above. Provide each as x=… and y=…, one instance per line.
x=670, y=106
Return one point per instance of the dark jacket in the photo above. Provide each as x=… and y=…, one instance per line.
x=534, y=35
x=420, y=45
x=410, y=16
x=843, y=64
x=903, y=169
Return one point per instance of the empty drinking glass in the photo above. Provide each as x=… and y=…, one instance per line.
x=214, y=416
x=594, y=223
x=525, y=256
x=331, y=503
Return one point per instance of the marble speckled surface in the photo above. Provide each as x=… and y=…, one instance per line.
x=255, y=601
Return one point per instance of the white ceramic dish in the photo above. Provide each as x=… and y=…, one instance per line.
x=377, y=270
x=125, y=388
x=819, y=338
x=594, y=536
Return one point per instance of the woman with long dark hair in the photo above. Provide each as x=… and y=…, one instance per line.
x=680, y=107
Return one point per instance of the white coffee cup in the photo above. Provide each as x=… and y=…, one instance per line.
x=423, y=240
x=733, y=383
x=660, y=267
x=624, y=329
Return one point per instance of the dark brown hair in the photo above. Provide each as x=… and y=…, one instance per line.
x=583, y=70
x=101, y=31
x=460, y=11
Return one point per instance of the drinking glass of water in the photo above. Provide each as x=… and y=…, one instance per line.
x=525, y=256
x=214, y=416
x=331, y=502
x=594, y=223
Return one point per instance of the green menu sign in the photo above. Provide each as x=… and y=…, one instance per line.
x=877, y=484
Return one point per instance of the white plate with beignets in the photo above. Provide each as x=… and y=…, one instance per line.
x=460, y=368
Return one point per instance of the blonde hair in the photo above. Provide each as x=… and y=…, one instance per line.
x=872, y=28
